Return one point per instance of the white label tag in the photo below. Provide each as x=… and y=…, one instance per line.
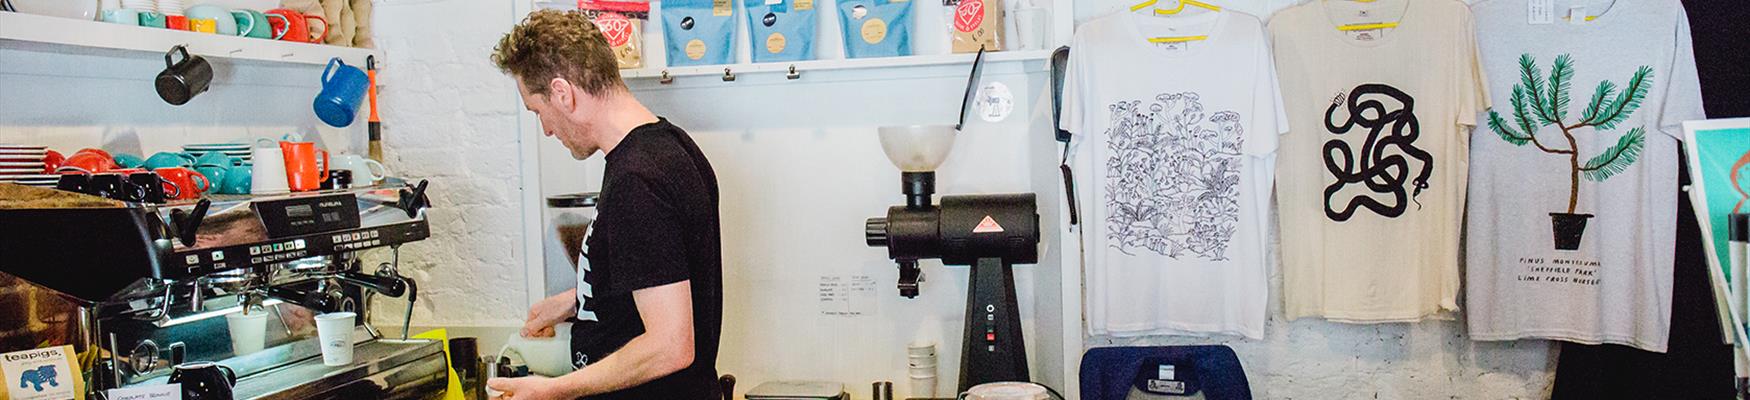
x=1367, y=35
x=774, y=2
x=1577, y=15
x=42, y=374
x=158, y=392
x=1540, y=12
x=1166, y=373
x=1166, y=386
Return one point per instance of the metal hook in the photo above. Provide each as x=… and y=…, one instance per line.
x=794, y=74
x=666, y=78
x=728, y=76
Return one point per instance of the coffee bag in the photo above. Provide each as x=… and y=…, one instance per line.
x=975, y=24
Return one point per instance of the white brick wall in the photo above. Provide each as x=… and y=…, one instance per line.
x=451, y=117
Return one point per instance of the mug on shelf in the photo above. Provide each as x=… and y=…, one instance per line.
x=251, y=23
x=203, y=25
x=262, y=25
x=306, y=165
x=365, y=171
x=224, y=22
x=152, y=19
x=343, y=92
x=124, y=16
x=296, y=26
x=191, y=183
x=125, y=160
x=89, y=163
x=269, y=174
x=176, y=22
x=238, y=180
x=182, y=80
x=154, y=187
x=167, y=159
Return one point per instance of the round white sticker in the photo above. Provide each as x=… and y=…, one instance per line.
x=995, y=102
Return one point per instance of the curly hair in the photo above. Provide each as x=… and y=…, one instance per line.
x=558, y=44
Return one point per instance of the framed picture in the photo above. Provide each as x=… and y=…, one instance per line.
x=1718, y=153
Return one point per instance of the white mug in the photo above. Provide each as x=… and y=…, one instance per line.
x=365, y=171
x=269, y=174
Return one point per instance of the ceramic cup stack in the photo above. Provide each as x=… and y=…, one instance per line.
x=921, y=357
x=143, y=5
x=171, y=7
x=24, y=165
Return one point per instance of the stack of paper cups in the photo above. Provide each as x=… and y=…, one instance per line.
x=921, y=357
x=334, y=330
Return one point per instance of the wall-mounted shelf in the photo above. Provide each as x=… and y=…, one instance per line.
x=799, y=68
x=27, y=31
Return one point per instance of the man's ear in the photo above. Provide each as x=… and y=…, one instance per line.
x=562, y=94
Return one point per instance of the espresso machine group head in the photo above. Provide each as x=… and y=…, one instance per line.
x=989, y=232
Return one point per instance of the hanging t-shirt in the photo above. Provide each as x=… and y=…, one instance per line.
x=1574, y=197
x=1175, y=142
x=1372, y=173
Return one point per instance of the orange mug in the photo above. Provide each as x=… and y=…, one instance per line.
x=189, y=183
x=306, y=165
x=295, y=26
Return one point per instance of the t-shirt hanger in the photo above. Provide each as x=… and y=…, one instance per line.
x=1372, y=25
x=1163, y=12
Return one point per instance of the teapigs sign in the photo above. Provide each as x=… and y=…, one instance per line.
x=42, y=374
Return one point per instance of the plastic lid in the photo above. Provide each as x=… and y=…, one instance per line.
x=573, y=200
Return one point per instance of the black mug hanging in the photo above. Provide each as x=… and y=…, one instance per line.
x=182, y=80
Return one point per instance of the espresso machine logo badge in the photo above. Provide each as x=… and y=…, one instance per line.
x=989, y=225
x=41, y=374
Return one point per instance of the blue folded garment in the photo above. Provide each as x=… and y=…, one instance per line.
x=781, y=30
x=876, y=28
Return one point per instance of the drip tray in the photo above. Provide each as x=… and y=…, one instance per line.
x=381, y=369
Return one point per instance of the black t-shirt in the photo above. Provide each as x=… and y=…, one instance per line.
x=656, y=225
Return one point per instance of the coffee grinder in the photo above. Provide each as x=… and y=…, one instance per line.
x=989, y=232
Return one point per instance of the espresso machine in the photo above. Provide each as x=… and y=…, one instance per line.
x=138, y=289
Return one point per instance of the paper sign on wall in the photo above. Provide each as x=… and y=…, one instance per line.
x=41, y=374
x=847, y=296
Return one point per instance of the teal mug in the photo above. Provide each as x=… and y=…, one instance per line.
x=169, y=160
x=152, y=19
x=255, y=24
x=218, y=159
x=129, y=160
x=238, y=180
x=124, y=16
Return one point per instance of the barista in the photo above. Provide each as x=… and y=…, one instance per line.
x=649, y=296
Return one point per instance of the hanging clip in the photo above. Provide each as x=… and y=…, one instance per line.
x=794, y=74
x=728, y=76
x=666, y=78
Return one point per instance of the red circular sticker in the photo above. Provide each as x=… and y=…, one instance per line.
x=615, y=27
x=969, y=15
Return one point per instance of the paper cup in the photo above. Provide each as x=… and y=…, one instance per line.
x=334, y=330
x=248, y=331
x=924, y=386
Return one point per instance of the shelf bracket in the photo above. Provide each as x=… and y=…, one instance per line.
x=728, y=76
x=793, y=74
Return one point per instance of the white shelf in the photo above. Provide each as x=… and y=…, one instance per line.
x=824, y=65
x=74, y=35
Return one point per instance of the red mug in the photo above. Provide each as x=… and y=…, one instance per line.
x=295, y=26
x=176, y=22
x=189, y=184
x=52, y=161
x=306, y=165
x=99, y=152
x=89, y=161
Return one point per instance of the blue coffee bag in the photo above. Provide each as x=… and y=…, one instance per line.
x=699, y=32
x=781, y=30
x=876, y=28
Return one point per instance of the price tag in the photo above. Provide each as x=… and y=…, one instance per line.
x=1540, y=12
x=722, y=8
x=158, y=392
x=804, y=5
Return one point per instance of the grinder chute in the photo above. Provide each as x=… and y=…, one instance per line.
x=989, y=232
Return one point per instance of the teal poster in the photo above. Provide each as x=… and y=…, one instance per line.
x=1719, y=156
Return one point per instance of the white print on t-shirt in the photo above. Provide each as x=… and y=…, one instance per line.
x=584, y=291
x=1172, y=181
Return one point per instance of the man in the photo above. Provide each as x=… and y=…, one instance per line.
x=650, y=281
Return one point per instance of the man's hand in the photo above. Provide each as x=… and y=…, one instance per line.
x=549, y=312
x=529, y=388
